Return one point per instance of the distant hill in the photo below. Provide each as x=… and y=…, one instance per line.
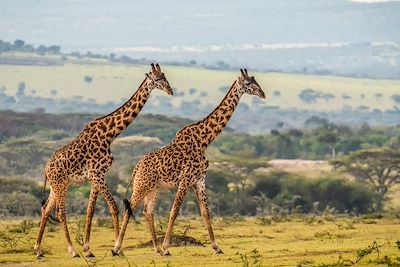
x=98, y=85
x=24, y=124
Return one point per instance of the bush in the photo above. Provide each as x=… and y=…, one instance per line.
x=216, y=181
x=271, y=185
x=293, y=192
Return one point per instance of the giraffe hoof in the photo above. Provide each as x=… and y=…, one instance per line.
x=114, y=253
x=219, y=251
x=166, y=253
x=39, y=256
x=76, y=255
x=90, y=255
x=120, y=253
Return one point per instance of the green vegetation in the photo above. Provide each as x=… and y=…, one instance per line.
x=378, y=167
x=287, y=193
x=240, y=179
x=19, y=45
x=321, y=140
x=325, y=240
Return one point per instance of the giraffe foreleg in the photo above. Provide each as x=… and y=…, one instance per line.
x=46, y=211
x=180, y=194
x=89, y=215
x=148, y=212
x=201, y=196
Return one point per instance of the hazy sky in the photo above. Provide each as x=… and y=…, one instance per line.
x=280, y=34
x=373, y=1
x=103, y=23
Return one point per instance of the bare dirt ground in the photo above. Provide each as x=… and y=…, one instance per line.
x=296, y=163
x=306, y=168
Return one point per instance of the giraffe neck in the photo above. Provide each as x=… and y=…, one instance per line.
x=211, y=126
x=114, y=123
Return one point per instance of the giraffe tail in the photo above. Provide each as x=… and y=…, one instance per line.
x=131, y=180
x=126, y=201
x=52, y=219
x=128, y=206
x=44, y=191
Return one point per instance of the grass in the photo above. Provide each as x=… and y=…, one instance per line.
x=292, y=241
x=116, y=81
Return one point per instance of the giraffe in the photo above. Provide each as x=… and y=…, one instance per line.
x=88, y=157
x=182, y=164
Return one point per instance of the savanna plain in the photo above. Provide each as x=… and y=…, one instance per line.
x=296, y=240
x=323, y=239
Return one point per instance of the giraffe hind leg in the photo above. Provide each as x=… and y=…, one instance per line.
x=137, y=196
x=180, y=194
x=113, y=207
x=52, y=219
x=47, y=207
x=148, y=212
x=205, y=213
x=60, y=202
x=89, y=216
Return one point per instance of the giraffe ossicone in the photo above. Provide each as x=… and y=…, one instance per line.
x=88, y=157
x=182, y=164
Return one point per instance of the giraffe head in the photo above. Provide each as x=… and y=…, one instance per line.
x=156, y=80
x=247, y=84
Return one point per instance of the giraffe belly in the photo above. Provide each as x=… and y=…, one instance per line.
x=78, y=178
x=164, y=185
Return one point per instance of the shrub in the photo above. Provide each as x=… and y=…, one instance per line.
x=297, y=193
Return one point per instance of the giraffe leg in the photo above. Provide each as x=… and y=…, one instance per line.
x=180, y=194
x=148, y=212
x=63, y=219
x=112, y=205
x=139, y=192
x=118, y=243
x=46, y=210
x=89, y=215
x=200, y=191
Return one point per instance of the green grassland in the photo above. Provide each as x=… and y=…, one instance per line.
x=111, y=82
x=263, y=241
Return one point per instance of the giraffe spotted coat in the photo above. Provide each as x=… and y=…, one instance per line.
x=182, y=164
x=88, y=157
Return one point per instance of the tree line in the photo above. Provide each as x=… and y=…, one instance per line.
x=235, y=184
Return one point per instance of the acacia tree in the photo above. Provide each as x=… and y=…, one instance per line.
x=240, y=169
x=330, y=139
x=379, y=168
x=331, y=134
